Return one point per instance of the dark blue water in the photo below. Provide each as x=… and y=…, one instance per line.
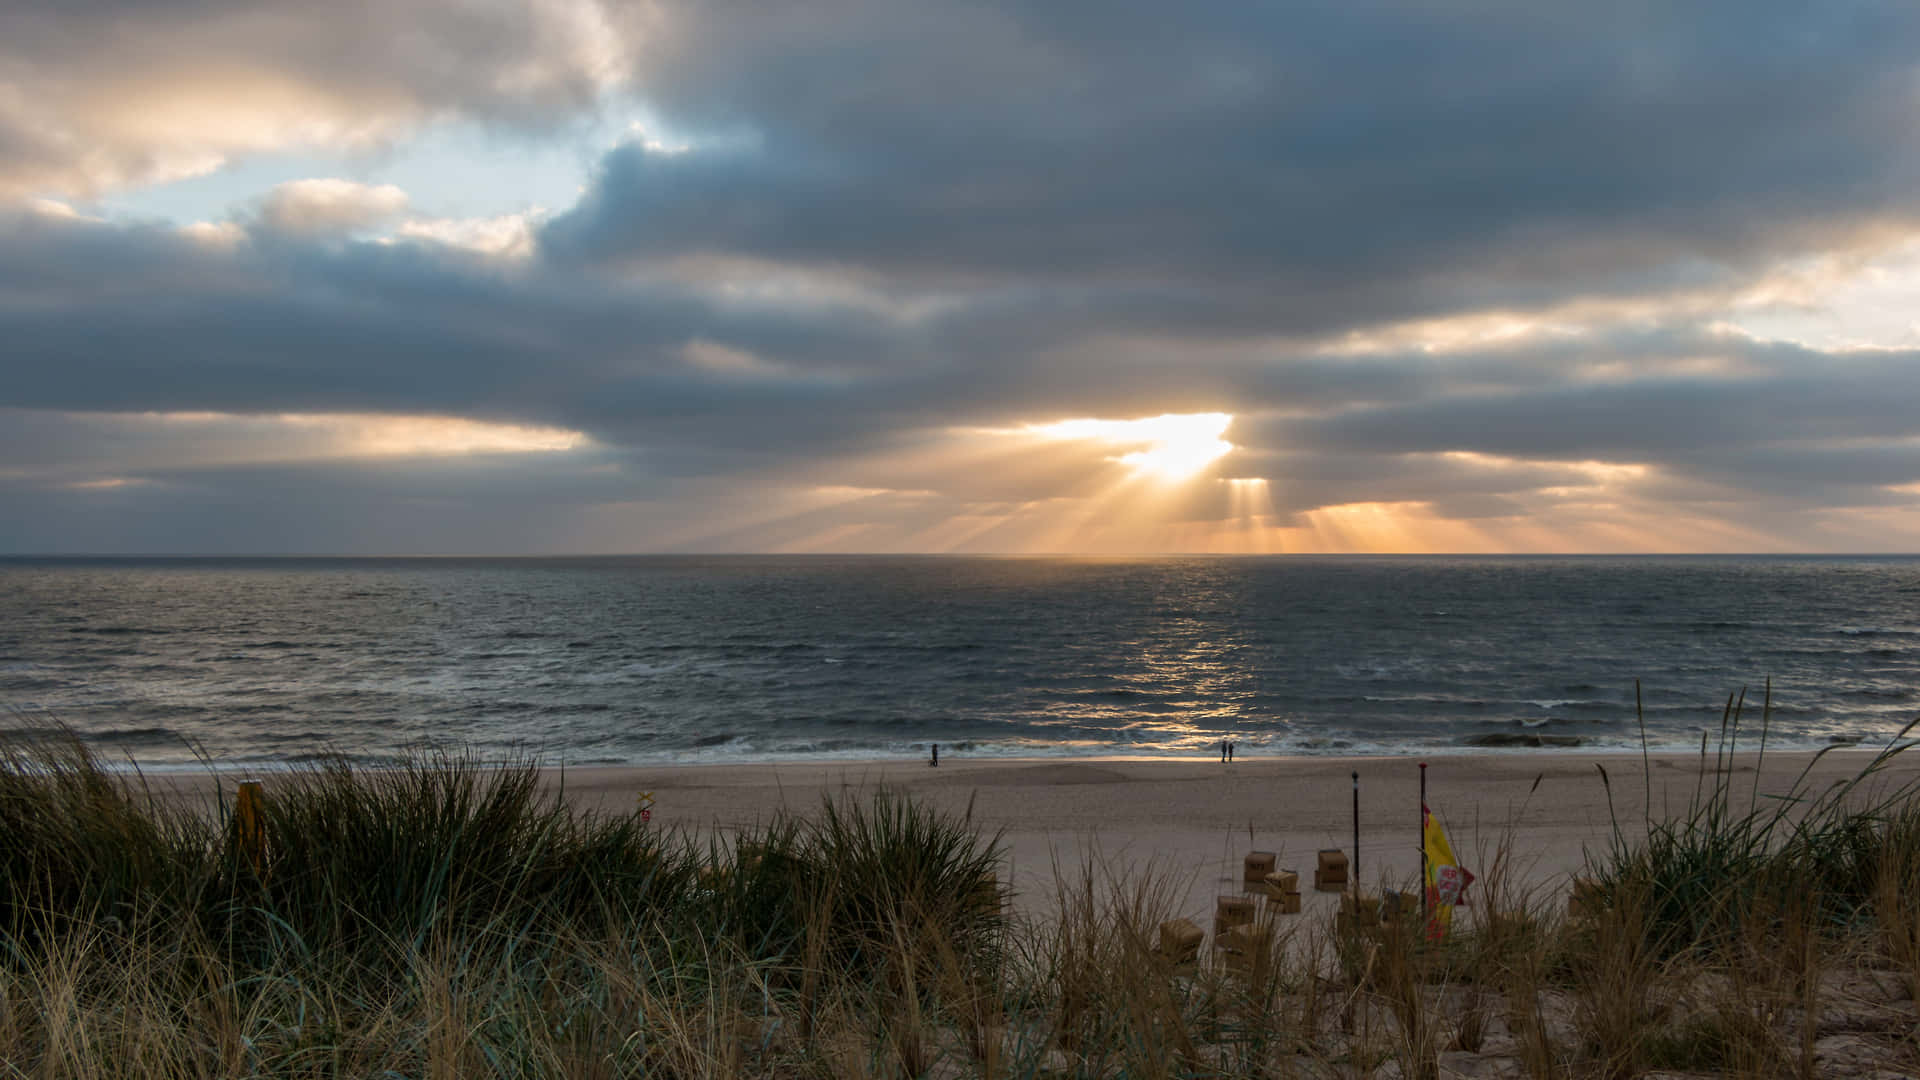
x=744, y=658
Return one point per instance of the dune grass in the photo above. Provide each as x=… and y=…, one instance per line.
x=452, y=918
x=1734, y=860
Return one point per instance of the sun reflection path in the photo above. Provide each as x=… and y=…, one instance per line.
x=1172, y=446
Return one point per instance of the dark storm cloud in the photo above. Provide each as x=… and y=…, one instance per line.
x=1351, y=162
x=485, y=504
x=1823, y=397
x=891, y=220
x=96, y=95
x=102, y=318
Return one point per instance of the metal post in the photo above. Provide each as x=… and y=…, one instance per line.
x=1425, y=914
x=1355, y=886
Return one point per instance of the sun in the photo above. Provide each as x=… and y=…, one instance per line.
x=1170, y=447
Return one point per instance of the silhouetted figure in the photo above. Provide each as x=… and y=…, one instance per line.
x=936, y=756
x=1229, y=753
x=1223, y=751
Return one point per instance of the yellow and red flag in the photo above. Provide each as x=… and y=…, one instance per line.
x=1447, y=880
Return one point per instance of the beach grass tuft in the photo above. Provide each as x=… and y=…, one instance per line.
x=448, y=917
x=1734, y=857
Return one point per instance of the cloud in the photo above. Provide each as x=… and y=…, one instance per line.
x=1301, y=168
x=100, y=95
x=687, y=384
x=440, y=506
x=1479, y=276
x=330, y=205
x=504, y=234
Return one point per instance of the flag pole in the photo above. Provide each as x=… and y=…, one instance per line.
x=1424, y=912
x=1356, y=832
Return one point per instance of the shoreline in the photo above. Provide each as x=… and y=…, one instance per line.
x=1191, y=822
x=112, y=758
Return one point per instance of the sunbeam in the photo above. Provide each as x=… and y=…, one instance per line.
x=1171, y=447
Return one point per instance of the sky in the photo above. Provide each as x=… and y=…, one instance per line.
x=587, y=276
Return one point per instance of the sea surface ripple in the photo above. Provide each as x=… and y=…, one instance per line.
x=685, y=658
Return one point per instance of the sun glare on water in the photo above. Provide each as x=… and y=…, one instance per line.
x=1171, y=447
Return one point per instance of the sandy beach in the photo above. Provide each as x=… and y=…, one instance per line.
x=1782, y=971
x=1196, y=820
x=1193, y=821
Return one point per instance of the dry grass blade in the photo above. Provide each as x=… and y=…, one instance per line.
x=485, y=929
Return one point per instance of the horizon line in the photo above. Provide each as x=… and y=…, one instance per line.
x=258, y=555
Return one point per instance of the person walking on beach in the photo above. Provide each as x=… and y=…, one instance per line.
x=1229, y=753
x=1223, y=751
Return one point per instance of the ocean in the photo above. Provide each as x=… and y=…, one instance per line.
x=652, y=659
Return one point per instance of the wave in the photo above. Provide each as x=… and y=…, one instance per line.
x=1521, y=739
x=1449, y=700
x=377, y=760
x=1879, y=693
x=135, y=736
x=33, y=682
x=1298, y=657
x=1534, y=723
x=303, y=737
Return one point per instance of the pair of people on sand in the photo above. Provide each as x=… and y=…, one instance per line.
x=1226, y=751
